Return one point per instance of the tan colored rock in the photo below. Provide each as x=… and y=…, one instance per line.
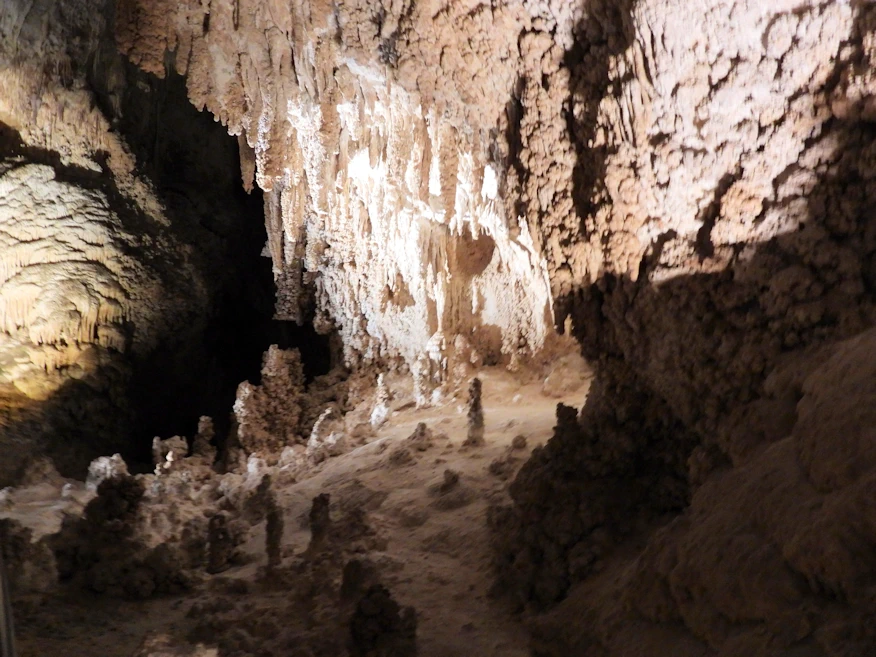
x=369, y=141
x=475, y=435
x=164, y=646
x=268, y=414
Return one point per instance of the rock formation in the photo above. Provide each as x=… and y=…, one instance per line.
x=274, y=526
x=381, y=408
x=370, y=137
x=685, y=188
x=380, y=628
x=219, y=544
x=320, y=521
x=475, y=436
x=268, y=415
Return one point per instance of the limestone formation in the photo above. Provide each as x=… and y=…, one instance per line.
x=30, y=565
x=320, y=522
x=400, y=456
x=220, y=545
x=169, y=453
x=202, y=445
x=420, y=373
x=115, y=211
x=504, y=466
x=381, y=410
x=421, y=439
x=357, y=577
x=309, y=136
x=475, y=437
x=103, y=468
x=274, y=533
x=381, y=628
x=685, y=188
x=268, y=414
x=165, y=646
x=327, y=438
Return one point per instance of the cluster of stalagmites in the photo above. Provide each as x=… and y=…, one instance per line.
x=181, y=528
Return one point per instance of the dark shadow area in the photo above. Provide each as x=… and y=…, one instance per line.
x=205, y=348
x=606, y=32
x=195, y=167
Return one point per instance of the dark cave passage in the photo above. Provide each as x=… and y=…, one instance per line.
x=194, y=165
x=174, y=387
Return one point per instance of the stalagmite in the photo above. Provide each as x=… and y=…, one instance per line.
x=320, y=522
x=475, y=436
x=202, y=445
x=420, y=373
x=105, y=467
x=381, y=411
x=219, y=544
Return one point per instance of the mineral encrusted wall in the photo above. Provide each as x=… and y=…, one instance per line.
x=724, y=189
x=588, y=143
x=77, y=222
x=726, y=183
x=69, y=291
x=116, y=252
x=380, y=132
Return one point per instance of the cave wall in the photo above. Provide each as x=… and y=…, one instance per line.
x=379, y=132
x=127, y=244
x=596, y=145
x=723, y=247
x=79, y=292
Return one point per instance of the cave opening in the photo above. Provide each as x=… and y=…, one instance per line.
x=194, y=165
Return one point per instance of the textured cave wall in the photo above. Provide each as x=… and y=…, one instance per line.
x=125, y=237
x=727, y=195
x=595, y=145
x=70, y=292
x=724, y=234
x=79, y=292
x=379, y=131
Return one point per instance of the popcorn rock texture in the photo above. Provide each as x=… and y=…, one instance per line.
x=268, y=414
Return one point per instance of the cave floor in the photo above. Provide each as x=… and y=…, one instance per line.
x=432, y=553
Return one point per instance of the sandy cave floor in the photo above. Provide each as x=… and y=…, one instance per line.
x=436, y=560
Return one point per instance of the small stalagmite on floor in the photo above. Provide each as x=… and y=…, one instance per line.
x=475, y=415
